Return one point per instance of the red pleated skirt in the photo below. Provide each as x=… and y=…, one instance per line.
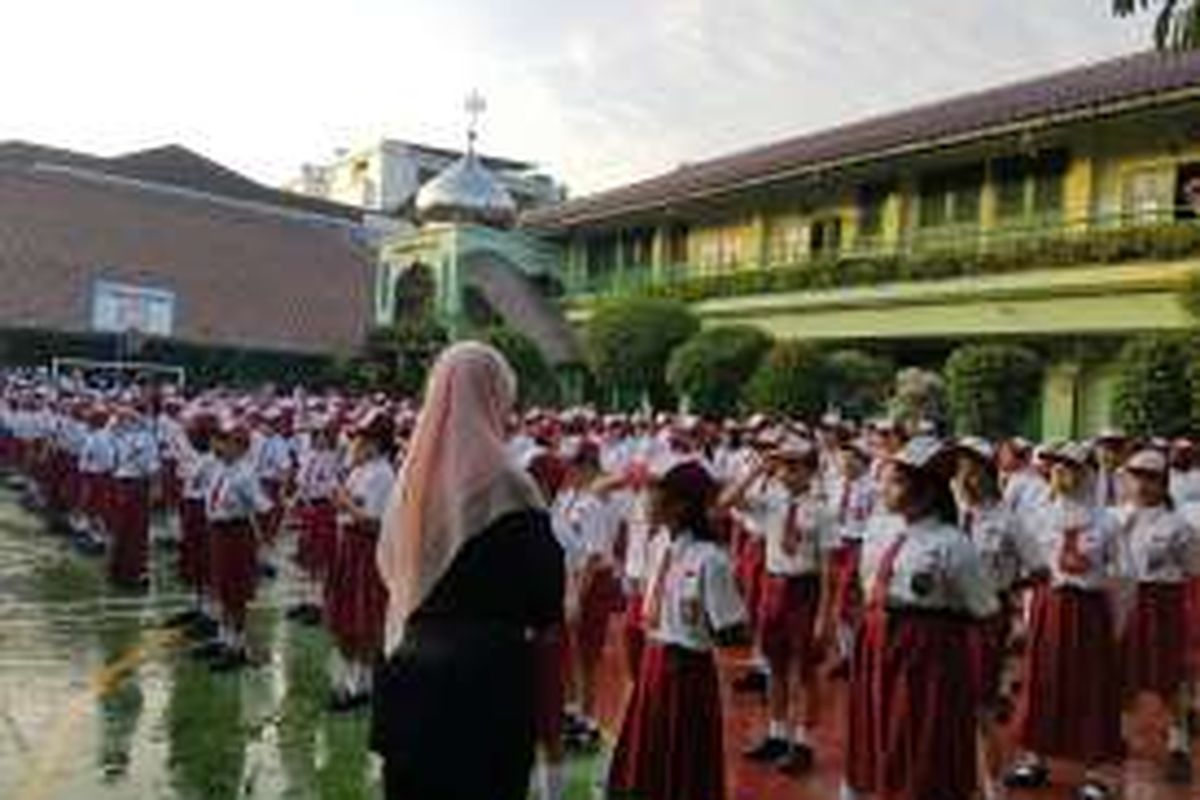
x=749, y=570
x=847, y=594
x=233, y=566
x=129, y=552
x=7, y=451
x=671, y=745
x=1071, y=707
x=600, y=599
x=633, y=630
x=912, y=709
x=1155, y=645
x=317, y=543
x=786, y=620
x=356, y=599
x=193, y=544
x=171, y=487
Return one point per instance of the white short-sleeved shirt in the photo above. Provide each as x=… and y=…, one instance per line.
x=1008, y=549
x=197, y=472
x=936, y=569
x=1026, y=492
x=1185, y=487
x=636, y=510
x=136, y=452
x=699, y=595
x=853, y=514
x=1162, y=546
x=1098, y=539
x=586, y=524
x=236, y=493
x=274, y=458
x=99, y=453
x=370, y=486
x=816, y=528
x=319, y=474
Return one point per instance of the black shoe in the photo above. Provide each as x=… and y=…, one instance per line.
x=201, y=628
x=799, y=760
x=1027, y=776
x=230, y=661
x=753, y=682
x=267, y=571
x=768, y=750
x=344, y=703
x=1092, y=790
x=183, y=618
x=1179, y=768
x=209, y=651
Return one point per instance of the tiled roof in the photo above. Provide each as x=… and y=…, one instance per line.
x=241, y=276
x=173, y=165
x=1095, y=87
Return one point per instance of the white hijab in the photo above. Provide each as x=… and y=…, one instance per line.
x=457, y=479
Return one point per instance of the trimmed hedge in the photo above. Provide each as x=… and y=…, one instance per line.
x=789, y=380
x=711, y=368
x=1154, y=386
x=205, y=365
x=628, y=343
x=991, y=388
x=1115, y=246
x=857, y=382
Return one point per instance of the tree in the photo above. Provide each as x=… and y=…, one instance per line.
x=1153, y=394
x=399, y=357
x=1176, y=26
x=857, y=382
x=628, y=342
x=536, y=381
x=920, y=395
x=789, y=380
x=991, y=388
x=711, y=368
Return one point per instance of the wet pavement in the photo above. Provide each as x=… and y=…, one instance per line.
x=98, y=701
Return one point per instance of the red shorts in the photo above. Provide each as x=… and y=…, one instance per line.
x=786, y=620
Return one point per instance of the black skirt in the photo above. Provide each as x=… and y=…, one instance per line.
x=453, y=716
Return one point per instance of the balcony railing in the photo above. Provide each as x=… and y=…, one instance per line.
x=922, y=255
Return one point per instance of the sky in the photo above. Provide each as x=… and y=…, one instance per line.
x=598, y=93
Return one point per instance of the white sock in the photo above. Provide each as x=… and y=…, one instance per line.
x=847, y=793
x=802, y=736
x=1177, y=738
x=550, y=781
x=777, y=729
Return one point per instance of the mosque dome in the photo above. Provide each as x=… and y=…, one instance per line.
x=466, y=191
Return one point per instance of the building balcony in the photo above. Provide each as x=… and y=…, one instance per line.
x=948, y=254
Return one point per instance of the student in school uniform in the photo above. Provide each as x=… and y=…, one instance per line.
x=588, y=525
x=853, y=498
x=912, y=712
x=1109, y=449
x=136, y=465
x=671, y=741
x=234, y=508
x=317, y=482
x=275, y=461
x=1165, y=556
x=1011, y=558
x=97, y=458
x=357, y=604
x=1184, y=481
x=1071, y=703
x=750, y=561
x=197, y=467
x=795, y=621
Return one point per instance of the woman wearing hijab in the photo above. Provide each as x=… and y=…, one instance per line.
x=474, y=576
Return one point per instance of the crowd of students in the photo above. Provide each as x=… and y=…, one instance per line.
x=955, y=586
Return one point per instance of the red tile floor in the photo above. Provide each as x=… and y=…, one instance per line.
x=745, y=721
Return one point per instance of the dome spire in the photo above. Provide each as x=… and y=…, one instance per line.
x=475, y=105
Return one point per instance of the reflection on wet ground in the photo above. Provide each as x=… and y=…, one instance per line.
x=97, y=700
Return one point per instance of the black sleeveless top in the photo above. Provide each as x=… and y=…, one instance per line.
x=453, y=715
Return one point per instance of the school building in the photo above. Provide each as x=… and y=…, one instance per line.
x=1059, y=212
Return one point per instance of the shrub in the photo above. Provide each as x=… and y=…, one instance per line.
x=789, y=380
x=991, y=388
x=629, y=341
x=712, y=367
x=919, y=395
x=1154, y=386
x=536, y=381
x=857, y=382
